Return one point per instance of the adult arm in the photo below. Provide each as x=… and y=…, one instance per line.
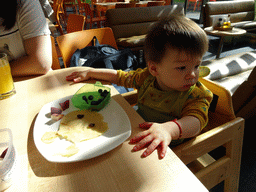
x=38, y=58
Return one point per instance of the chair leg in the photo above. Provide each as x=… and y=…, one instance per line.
x=234, y=150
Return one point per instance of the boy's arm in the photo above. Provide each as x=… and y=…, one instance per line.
x=190, y=127
x=109, y=75
x=198, y=105
x=159, y=136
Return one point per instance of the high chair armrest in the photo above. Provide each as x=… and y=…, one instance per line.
x=212, y=171
x=212, y=139
x=131, y=97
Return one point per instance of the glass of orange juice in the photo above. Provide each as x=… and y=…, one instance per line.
x=6, y=82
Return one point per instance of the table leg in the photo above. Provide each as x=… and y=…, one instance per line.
x=220, y=47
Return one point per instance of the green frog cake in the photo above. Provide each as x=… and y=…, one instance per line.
x=92, y=97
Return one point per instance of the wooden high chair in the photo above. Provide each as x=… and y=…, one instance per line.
x=223, y=129
x=70, y=42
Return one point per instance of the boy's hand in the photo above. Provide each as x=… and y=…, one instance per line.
x=158, y=136
x=103, y=74
x=78, y=76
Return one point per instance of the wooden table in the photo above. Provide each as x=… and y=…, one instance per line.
x=111, y=5
x=222, y=34
x=117, y=170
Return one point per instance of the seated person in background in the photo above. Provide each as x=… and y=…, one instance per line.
x=168, y=88
x=25, y=37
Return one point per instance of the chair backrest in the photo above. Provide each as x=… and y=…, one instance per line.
x=221, y=109
x=75, y=23
x=125, y=5
x=155, y=3
x=69, y=43
x=55, y=58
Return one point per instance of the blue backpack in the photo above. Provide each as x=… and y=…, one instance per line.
x=104, y=56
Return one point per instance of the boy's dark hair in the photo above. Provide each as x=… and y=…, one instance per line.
x=176, y=32
x=8, y=12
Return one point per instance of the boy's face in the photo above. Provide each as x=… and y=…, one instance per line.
x=177, y=70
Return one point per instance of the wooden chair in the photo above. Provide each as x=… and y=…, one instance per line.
x=223, y=129
x=55, y=58
x=69, y=43
x=75, y=23
x=70, y=3
x=60, y=15
x=125, y=5
x=80, y=7
x=155, y=3
x=92, y=16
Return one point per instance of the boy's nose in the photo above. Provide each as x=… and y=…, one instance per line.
x=191, y=75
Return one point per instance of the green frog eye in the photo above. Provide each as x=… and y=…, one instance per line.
x=90, y=97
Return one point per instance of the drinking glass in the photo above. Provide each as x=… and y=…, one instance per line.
x=6, y=82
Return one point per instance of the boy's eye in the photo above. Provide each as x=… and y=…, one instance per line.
x=181, y=68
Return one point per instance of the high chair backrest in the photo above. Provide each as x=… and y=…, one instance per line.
x=221, y=108
x=69, y=43
x=75, y=23
x=224, y=103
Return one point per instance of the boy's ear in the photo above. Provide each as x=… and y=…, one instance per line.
x=152, y=68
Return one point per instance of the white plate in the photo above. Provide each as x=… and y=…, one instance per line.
x=119, y=130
